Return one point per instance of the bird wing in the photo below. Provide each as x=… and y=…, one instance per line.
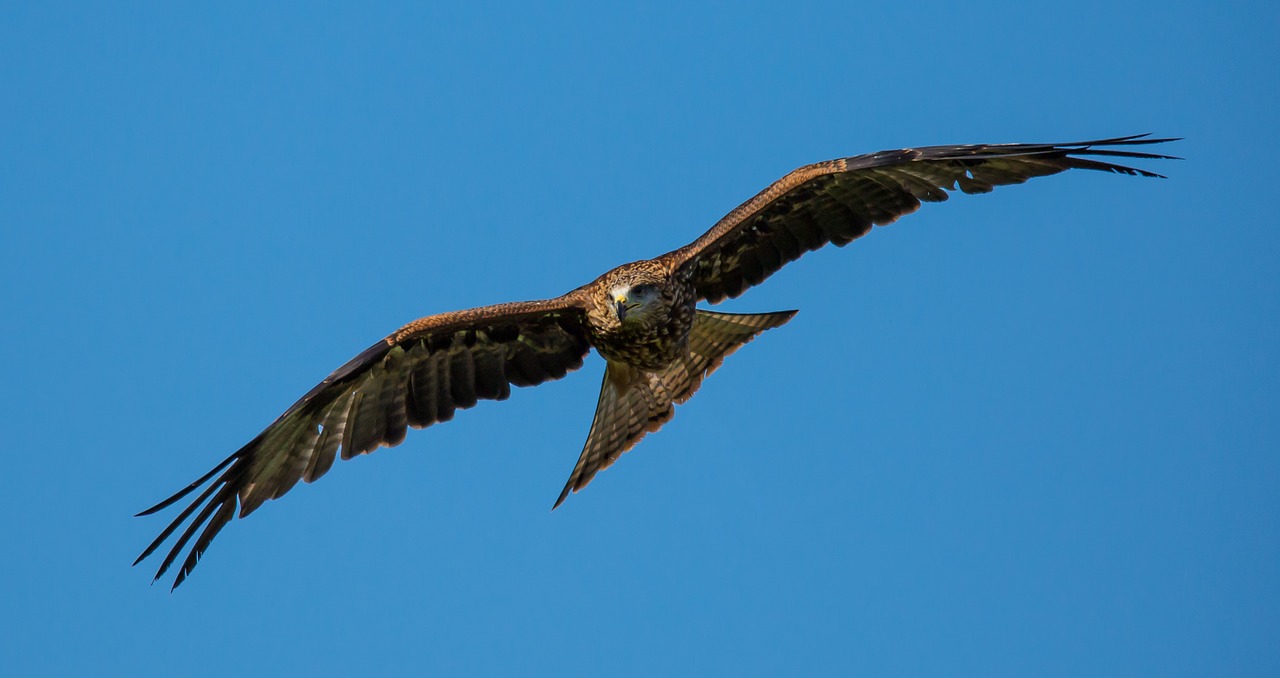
x=417, y=376
x=839, y=200
x=633, y=402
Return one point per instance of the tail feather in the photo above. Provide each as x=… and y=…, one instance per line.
x=633, y=403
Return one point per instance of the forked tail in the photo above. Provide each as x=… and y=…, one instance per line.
x=633, y=403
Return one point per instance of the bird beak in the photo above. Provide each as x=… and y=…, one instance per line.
x=622, y=308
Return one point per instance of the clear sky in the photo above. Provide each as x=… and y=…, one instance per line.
x=1030, y=433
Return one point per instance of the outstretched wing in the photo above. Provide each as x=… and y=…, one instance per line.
x=416, y=377
x=838, y=201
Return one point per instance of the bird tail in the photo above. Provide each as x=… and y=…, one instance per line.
x=634, y=402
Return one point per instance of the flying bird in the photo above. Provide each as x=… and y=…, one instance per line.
x=641, y=317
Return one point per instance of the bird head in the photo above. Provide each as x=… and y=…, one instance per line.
x=634, y=302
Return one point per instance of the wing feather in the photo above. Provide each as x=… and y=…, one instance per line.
x=838, y=201
x=417, y=376
x=323, y=453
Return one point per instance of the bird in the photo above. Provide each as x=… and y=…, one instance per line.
x=641, y=317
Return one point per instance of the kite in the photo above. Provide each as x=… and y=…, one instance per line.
x=641, y=317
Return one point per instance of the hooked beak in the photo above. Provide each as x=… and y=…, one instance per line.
x=621, y=305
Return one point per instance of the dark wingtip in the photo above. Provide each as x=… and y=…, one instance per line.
x=195, y=484
x=1128, y=140
x=1099, y=148
x=164, y=504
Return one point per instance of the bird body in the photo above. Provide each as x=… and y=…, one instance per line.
x=640, y=314
x=641, y=317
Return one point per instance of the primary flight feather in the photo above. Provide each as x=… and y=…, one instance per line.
x=641, y=317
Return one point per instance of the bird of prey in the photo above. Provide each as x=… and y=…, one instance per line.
x=641, y=317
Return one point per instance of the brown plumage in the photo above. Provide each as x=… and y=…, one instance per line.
x=641, y=318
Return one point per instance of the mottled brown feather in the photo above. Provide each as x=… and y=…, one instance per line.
x=417, y=376
x=633, y=403
x=838, y=201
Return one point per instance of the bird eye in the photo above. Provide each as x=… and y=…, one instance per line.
x=642, y=290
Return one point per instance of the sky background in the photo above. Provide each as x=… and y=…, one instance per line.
x=1030, y=433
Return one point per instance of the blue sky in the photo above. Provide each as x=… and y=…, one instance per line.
x=1029, y=433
